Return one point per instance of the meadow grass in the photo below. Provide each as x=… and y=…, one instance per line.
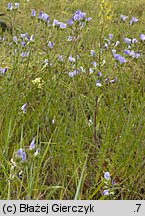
x=87, y=136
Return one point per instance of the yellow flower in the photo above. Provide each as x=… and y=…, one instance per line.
x=106, y=12
x=38, y=81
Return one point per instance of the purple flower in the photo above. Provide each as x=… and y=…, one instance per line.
x=46, y=61
x=107, y=80
x=111, y=81
x=127, y=52
x=23, y=108
x=120, y=58
x=123, y=17
x=107, y=175
x=94, y=63
x=113, y=51
x=15, y=39
x=32, y=144
x=142, y=37
x=79, y=15
x=110, y=36
x=33, y=13
x=109, y=42
x=88, y=19
x=10, y=6
x=55, y=22
x=114, y=182
x=24, y=54
x=98, y=83
x=106, y=192
x=50, y=44
x=71, y=59
x=3, y=71
x=22, y=154
x=23, y=43
x=117, y=43
x=70, y=22
x=45, y=17
x=91, y=70
x=70, y=38
x=92, y=53
x=40, y=15
x=133, y=20
x=127, y=40
x=60, y=58
x=62, y=25
x=17, y=5
x=137, y=55
x=134, y=40
x=74, y=73
x=99, y=74
x=83, y=24
x=25, y=36
x=134, y=55
x=19, y=153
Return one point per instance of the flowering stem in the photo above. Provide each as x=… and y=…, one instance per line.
x=96, y=140
x=100, y=46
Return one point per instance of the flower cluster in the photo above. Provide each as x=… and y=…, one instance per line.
x=61, y=25
x=132, y=53
x=133, y=19
x=74, y=73
x=78, y=17
x=46, y=18
x=110, y=184
x=107, y=181
x=42, y=16
x=10, y=6
x=21, y=153
x=120, y=58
